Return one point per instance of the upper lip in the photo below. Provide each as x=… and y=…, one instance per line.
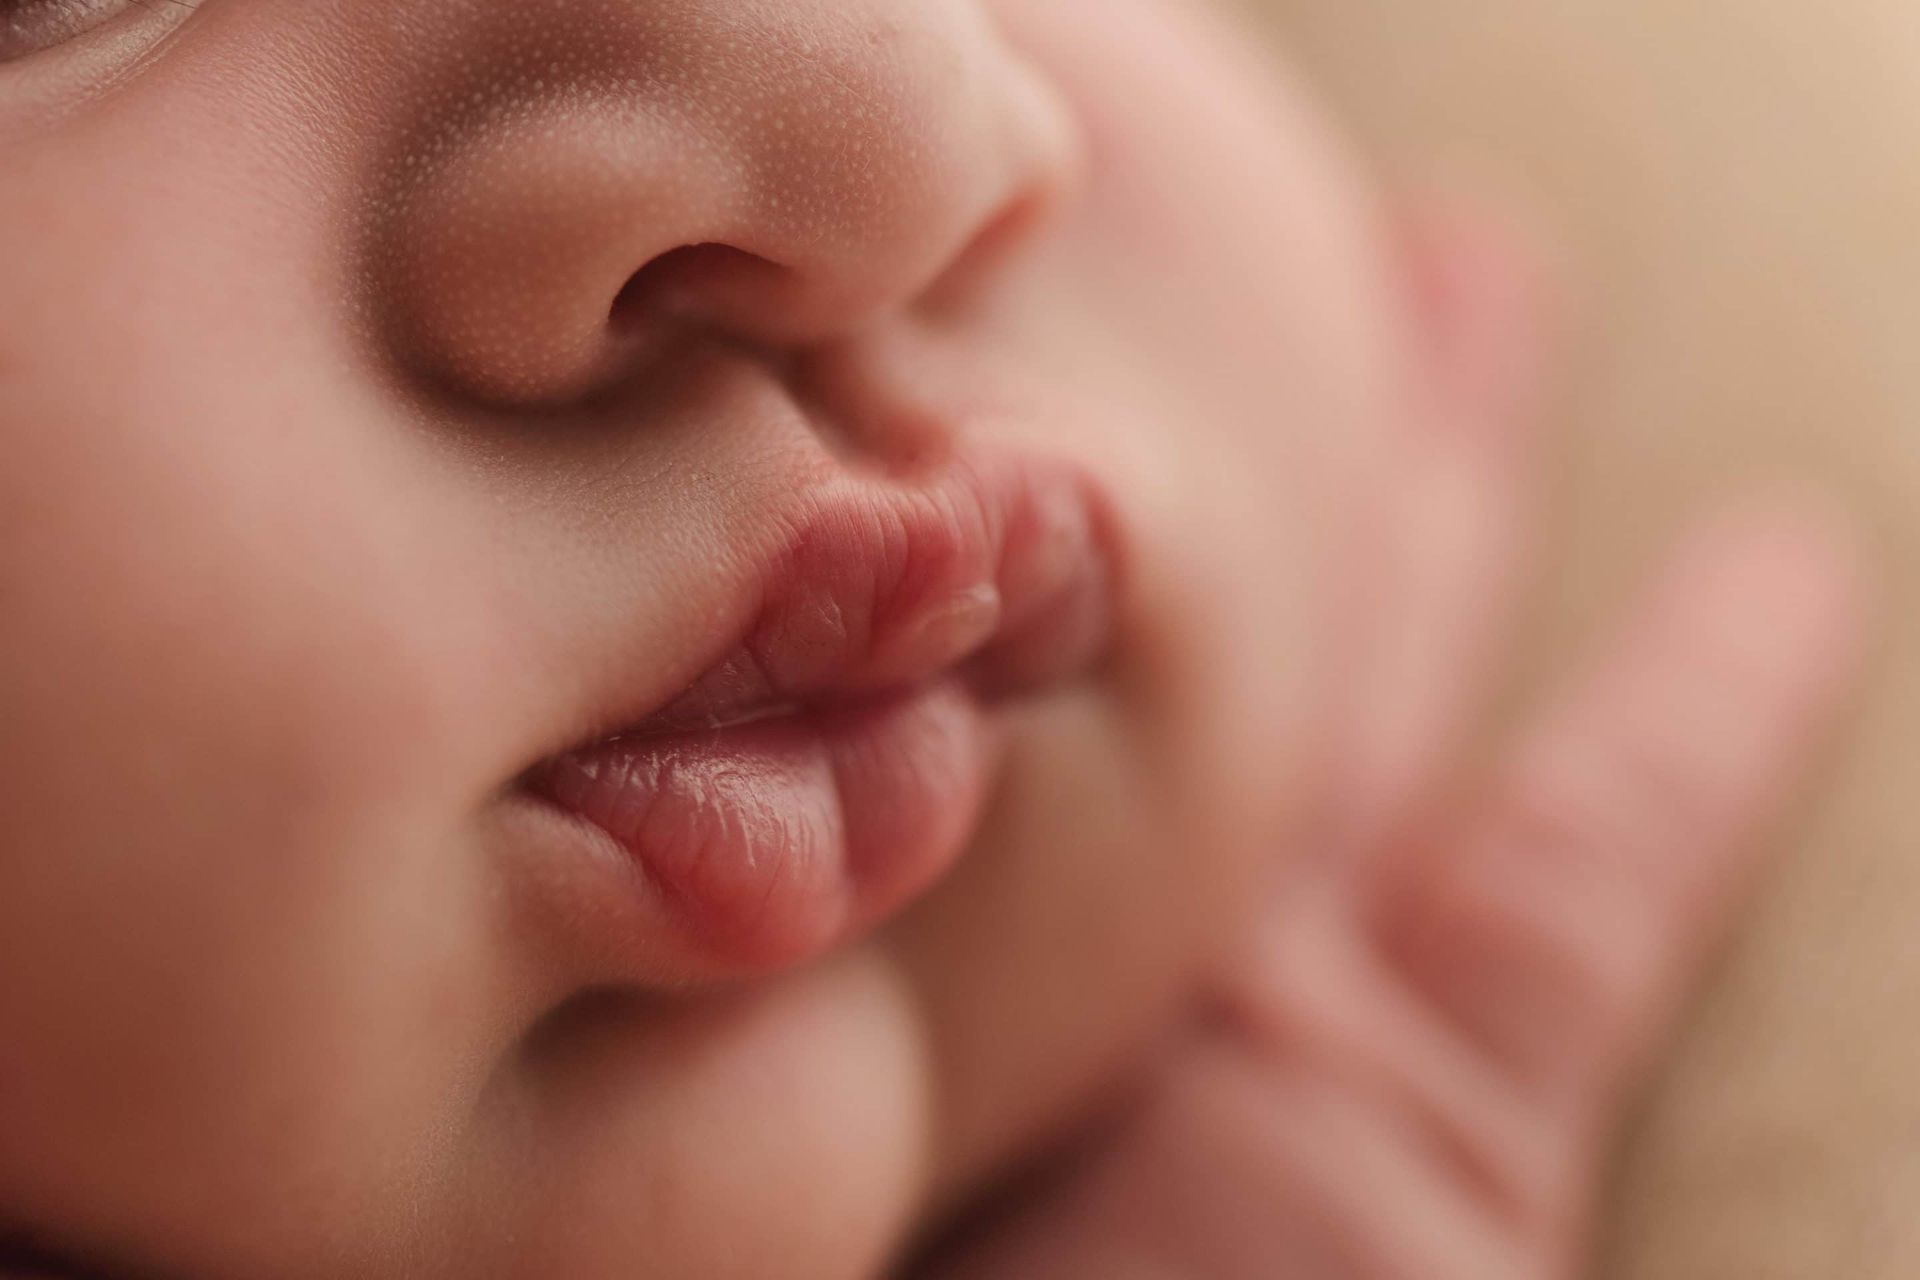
x=998, y=567
x=990, y=563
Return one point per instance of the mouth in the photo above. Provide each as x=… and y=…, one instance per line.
x=833, y=757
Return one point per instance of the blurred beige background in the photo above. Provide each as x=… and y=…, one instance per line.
x=1739, y=181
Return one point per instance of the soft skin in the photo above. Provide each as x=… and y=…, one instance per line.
x=351, y=475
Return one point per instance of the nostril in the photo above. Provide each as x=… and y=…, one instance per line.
x=645, y=294
x=699, y=284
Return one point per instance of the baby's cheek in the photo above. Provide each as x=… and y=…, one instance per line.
x=208, y=704
x=1235, y=387
x=221, y=917
x=1257, y=344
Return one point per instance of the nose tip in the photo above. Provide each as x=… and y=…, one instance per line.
x=782, y=182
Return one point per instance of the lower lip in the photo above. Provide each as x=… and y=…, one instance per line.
x=770, y=842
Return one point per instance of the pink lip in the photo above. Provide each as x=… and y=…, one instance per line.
x=832, y=761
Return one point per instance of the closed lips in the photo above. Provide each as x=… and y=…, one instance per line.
x=832, y=759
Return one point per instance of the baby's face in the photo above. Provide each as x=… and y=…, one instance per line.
x=636, y=636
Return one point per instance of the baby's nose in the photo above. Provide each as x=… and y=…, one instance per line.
x=600, y=175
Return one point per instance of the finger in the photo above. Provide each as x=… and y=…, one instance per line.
x=1452, y=542
x=1312, y=990
x=1561, y=927
x=1237, y=1167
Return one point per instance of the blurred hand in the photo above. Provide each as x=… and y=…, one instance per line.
x=1414, y=1069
